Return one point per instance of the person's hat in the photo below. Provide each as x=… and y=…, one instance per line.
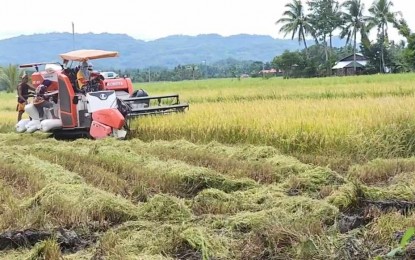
x=24, y=75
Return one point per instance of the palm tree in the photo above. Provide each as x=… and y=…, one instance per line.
x=335, y=20
x=381, y=16
x=294, y=21
x=3, y=80
x=325, y=17
x=9, y=77
x=354, y=21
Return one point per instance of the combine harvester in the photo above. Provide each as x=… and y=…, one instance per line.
x=103, y=108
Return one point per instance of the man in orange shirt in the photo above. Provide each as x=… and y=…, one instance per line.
x=84, y=74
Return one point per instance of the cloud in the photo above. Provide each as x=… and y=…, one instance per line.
x=154, y=19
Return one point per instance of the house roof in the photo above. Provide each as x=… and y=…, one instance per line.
x=269, y=71
x=349, y=64
x=359, y=56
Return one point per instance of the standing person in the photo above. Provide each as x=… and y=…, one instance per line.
x=23, y=95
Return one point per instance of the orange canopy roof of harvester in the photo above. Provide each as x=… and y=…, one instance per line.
x=83, y=55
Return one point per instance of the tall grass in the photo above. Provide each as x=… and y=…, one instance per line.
x=8, y=113
x=222, y=90
x=364, y=117
x=368, y=127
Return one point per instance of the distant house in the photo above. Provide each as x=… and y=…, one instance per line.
x=273, y=72
x=346, y=65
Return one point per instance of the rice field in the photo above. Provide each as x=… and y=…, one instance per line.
x=362, y=118
x=255, y=169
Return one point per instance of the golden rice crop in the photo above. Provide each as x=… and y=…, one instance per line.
x=220, y=90
x=306, y=125
x=365, y=116
x=8, y=104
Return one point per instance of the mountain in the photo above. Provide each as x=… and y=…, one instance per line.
x=165, y=52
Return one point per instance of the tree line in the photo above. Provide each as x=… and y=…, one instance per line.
x=321, y=20
x=229, y=68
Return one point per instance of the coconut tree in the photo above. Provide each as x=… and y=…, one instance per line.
x=295, y=22
x=325, y=17
x=3, y=80
x=9, y=77
x=380, y=16
x=354, y=21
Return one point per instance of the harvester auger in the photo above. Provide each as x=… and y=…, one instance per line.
x=102, y=108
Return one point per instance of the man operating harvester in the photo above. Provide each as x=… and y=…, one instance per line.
x=42, y=99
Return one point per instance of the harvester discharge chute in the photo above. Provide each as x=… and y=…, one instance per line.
x=102, y=107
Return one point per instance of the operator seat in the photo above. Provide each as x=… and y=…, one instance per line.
x=67, y=102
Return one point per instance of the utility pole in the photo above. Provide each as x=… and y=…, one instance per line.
x=73, y=36
x=204, y=68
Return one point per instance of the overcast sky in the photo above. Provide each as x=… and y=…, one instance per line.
x=149, y=20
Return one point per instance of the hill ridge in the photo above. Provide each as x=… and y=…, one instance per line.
x=167, y=52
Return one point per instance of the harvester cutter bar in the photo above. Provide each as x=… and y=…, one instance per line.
x=157, y=110
x=158, y=98
x=165, y=104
